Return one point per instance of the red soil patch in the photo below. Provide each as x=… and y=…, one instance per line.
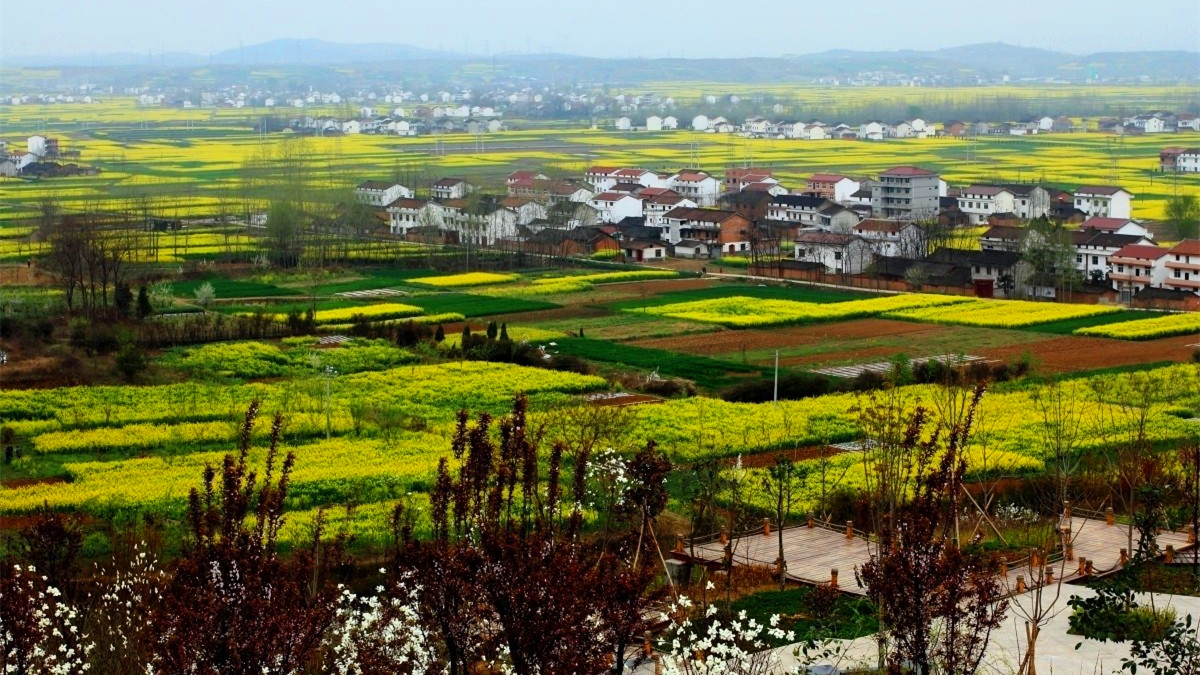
x=866, y=354
x=1073, y=353
x=26, y=482
x=654, y=286
x=765, y=459
x=624, y=400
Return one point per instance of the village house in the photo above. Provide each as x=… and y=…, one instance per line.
x=992, y=274
x=840, y=253
x=1115, y=226
x=696, y=185
x=891, y=237
x=954, y=128
x=833, y=186
x=1183, y=160
x=644, y=250
x=872, y=131
x=737, y=178
x=1183, y=266
x=1029, y=200
x=451, y=188
x=1093, y=250
x=380, y=193
x=406, y=213
x=980, y=202
x=658, y=205
x=527, y=210
x=1137, y=266
x=1103, y=200
x=523, y=178
x=906, y=192
x=1002, y=238
x=723, y=231
x=614, y=206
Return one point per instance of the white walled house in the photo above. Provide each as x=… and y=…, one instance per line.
x=872, y=131
x=36, y=144
x=1135, y=267
x=656, y=207
x=1103, y=200
x=601, y=177
x=839, y=253
x=979, y=202
x=1029, y=201
x=654, y=123
x=1094, y=249
x=700, y=123
x=891, y=237
x=406, y=213
x=451, y=188
x=697, y=186
x=1115, y=226
x=670, y=123
x=615, y=206
x=1183, y=266
x=380, y=193
x=623, y=124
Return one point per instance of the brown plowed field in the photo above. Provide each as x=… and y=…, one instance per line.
x=731, y=341
x=1072, y=353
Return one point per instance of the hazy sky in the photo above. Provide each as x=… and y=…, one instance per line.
x=665, y=28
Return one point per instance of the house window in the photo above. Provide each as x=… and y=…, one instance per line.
x=977, y=269
x=837, y=255
x=1176, y=274
x=1121, y=268
x=1095, y=260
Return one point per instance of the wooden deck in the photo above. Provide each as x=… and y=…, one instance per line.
x=813, y=552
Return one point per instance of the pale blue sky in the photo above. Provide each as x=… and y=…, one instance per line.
x=692, y=28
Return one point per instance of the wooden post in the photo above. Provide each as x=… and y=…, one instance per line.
x=1033, y=558
x=724, y=538
x=1067, y=510
x=647, y=649
x=1048, y=577
x=1003, y=566
x=766, y=527
x=1124, y=559
x=1082, y=566
x=1108, y=516
x=811, y=523
x=1191, y=535
x=1170, y=554
x=678, y=544
x=849, y=529
x=1090, y=570
x=1021, y=583
x=833, y=574
x=1070, y=552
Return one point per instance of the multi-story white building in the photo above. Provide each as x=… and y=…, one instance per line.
x=613, y=207
x=1135, y=267
x=1183, y=266
x=696, y=185
x=1105, y=201
x=906, y=193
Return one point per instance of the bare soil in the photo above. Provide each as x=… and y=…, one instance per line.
x=732, y=341
x=1072, y=353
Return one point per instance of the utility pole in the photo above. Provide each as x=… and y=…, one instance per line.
x=775, y=400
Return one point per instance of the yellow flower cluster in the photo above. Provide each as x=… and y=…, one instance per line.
x=747, y=312
x=379, y=311
x=468, y=279
x=1147, y=329
x=1002, y=313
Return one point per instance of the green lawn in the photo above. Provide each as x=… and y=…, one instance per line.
x=845, y=618
x=1068, y=326
x=474, y=305
x=706, y=372
x=794, y=292
x=231, y=288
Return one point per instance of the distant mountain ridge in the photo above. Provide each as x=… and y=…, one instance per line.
x=985, y=60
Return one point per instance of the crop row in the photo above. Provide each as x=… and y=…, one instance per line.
x=749, y=312
x=1147, y=329
x=1002, y=313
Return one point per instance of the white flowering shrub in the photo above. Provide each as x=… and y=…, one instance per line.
x=380, y=634
x=39, y=632
x=702, y=640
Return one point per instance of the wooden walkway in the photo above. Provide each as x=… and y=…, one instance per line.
x=812, y=553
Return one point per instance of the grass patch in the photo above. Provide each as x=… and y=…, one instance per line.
x=230, y=288
x=706, y=372
x=811, y=613
x=475, y=305
x=797, y=293
x=1068, y=326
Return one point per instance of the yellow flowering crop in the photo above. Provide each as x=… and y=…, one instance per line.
x=1147, y=329
x=1002, y=313
x=747, y=312
x=468, y=279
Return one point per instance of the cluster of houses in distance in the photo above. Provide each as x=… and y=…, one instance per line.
x=835, y=227
x=40, y=158
x=760, y=127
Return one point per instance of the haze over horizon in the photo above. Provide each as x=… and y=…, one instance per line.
x=475, y=27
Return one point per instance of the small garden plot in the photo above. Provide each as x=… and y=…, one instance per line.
x=703, y=371
x=529, y=334
x=1147, y=329
x=612, y=277
x=473, y=305
x=888, y=366
x=747, y=312
x=231, y=288
x=468, y=279
x=1001, y=313
x=383, y=310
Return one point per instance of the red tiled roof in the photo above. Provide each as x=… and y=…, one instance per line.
x=692, y=176
x=879, y=225
x=759, y=187
x=602, y=170
x=630, y=173
x=826, y=177
x=988, y=190
x=610, y=196
x=655, y=191
x=1099, y=190
x=406, y=203
x=1187, y=247
x=449, y=182
x=521, y=175
x=703, y=215
x=908, y=171
x=1141, y=252
x=1104, y=224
